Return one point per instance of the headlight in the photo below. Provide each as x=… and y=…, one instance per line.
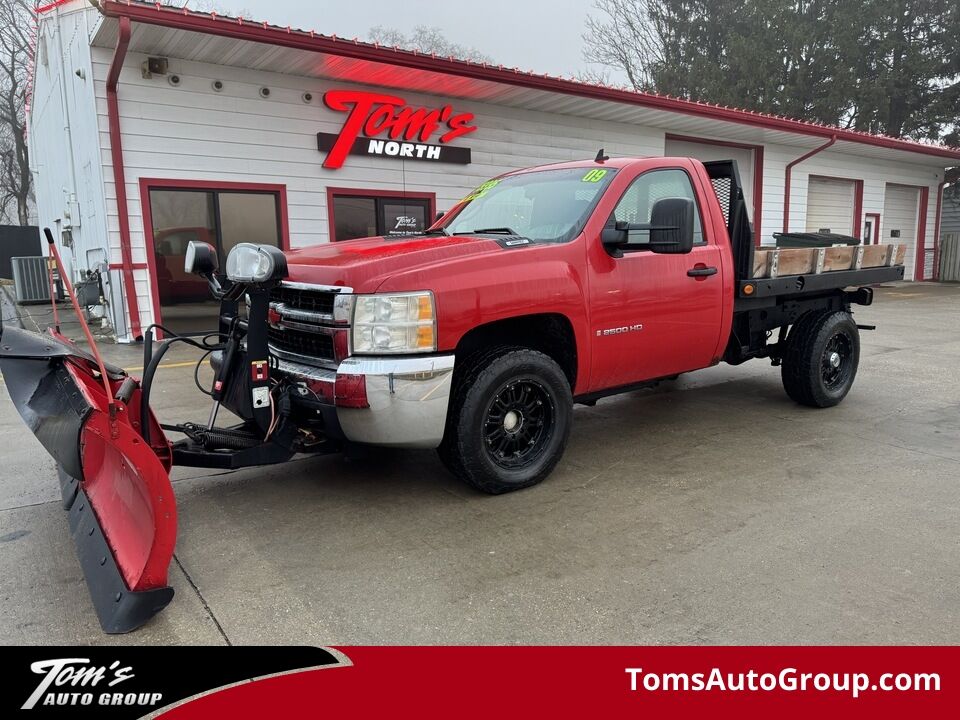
x=402, y=323
x=249, y=263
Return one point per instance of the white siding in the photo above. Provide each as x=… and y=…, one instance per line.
x=709, y=151
x=190, y=132
x=830, y=205
x=56, y=178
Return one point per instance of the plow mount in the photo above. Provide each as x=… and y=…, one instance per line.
x=112, y=456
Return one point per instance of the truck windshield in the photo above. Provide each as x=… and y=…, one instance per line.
x=544, y=205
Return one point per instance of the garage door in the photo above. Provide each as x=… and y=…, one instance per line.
x=830, y=205
x=706, y=151
x=900, y=220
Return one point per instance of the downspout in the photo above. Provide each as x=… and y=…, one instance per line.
x=788, y=175
x=936, y=230
x=119, y=176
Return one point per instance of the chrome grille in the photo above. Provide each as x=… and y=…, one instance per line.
x=310, y=323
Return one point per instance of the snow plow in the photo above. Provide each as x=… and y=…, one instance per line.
x=113, y=456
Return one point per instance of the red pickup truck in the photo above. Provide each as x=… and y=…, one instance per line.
x=541, y=288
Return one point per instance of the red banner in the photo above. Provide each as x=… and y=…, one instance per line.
x=502, y=682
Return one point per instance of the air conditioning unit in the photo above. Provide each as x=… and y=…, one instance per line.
x=30, y=280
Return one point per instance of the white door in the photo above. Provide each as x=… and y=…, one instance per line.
x=899, y=223
x=706, y=151
x=830, y=205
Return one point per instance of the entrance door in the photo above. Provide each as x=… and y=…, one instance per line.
x=650, y=318
x=220, y=217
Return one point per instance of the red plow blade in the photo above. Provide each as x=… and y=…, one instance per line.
x=116, y=486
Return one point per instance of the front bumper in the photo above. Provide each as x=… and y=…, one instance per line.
x=406, y=398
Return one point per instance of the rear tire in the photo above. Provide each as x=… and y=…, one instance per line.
x=821, y=357
x=509, y=420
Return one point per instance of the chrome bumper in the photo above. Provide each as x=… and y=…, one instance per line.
x=407, y=397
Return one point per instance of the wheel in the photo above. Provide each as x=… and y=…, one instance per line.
x=509, y=420
x=821, y=357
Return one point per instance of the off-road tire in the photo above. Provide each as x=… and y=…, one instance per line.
x=814, y=344
x=496, y=382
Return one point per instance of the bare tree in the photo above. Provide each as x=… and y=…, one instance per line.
x=428, y=40
x=622, y=35
x=16, y=192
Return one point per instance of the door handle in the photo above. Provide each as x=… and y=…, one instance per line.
x=701, y=271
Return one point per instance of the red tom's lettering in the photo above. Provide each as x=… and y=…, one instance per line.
x=376, y=114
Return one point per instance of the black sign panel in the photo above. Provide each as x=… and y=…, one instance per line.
x=399, y=149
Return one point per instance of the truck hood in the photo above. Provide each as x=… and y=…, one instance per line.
x=364, y=264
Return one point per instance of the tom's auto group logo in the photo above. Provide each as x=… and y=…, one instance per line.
x=124, y=683
x=73, y=681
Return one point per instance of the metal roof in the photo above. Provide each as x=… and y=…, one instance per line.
x=239, y=42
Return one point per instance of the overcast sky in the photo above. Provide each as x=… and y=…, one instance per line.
x=539, y=35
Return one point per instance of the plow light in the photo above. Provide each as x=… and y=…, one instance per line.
x=249, y=263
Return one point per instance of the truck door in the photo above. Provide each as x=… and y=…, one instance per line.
x=654, y=315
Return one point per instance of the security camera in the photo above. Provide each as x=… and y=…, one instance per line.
x=264, y=92
x=217, y=85
x=307, y=97
x=174, y=80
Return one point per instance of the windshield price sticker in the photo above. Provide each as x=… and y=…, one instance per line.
x=594, y=176
x=482, y=190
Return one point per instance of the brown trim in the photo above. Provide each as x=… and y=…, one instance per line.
x=148, y=184
x=262, y=32
x=757, y=174
x=374, y=193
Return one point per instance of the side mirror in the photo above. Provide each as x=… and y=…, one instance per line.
x=200, y=259
x=615, y=238
x=671, y=226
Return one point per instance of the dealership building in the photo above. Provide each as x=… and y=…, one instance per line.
x=150, y=126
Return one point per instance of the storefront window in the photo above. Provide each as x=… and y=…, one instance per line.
x=357, y=216
x=220, y=218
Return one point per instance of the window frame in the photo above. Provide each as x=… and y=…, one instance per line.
x=378, y=195
x=696, y=202
x=279, y=191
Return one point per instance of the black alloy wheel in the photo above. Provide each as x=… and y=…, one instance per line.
x=518, y=423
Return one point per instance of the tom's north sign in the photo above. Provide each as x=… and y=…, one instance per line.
x=384, y=125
